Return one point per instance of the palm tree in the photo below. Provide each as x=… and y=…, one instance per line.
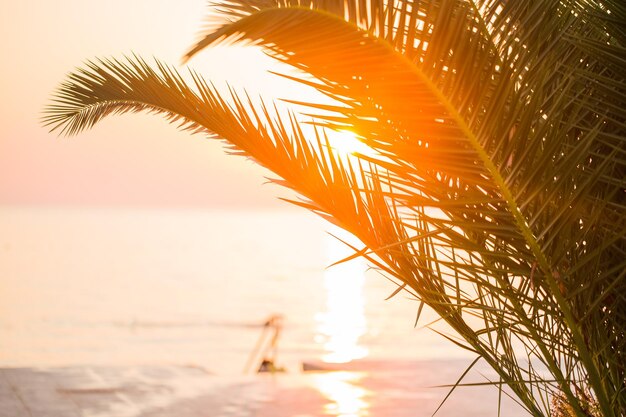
x=496, y=194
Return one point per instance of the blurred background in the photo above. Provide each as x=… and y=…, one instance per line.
x=137, y=242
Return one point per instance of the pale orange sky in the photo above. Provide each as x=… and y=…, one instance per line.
x=136, y=160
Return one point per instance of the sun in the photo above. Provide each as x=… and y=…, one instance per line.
x=346, y=143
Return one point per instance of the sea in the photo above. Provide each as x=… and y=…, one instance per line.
x=216, y=289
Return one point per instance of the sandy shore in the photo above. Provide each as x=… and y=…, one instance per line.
x=365, y=389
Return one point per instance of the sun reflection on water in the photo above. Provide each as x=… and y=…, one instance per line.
x=343, y=322
x=346, y=398
x=339, y=329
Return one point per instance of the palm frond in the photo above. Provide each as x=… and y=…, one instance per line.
x=331, y=188
x=533, y=104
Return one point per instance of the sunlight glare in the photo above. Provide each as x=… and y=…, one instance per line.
x=343, y=323
x=346, y=398
x=346, y=143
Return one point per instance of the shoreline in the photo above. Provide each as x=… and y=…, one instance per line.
x=186, y=391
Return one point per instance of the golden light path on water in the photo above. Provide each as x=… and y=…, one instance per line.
x=343, y=322
x=346, y=397
x=339, y=329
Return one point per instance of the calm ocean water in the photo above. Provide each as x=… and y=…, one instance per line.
x=109, y=286
x=155, y=287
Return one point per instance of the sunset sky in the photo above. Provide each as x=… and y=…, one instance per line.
x=132, y=160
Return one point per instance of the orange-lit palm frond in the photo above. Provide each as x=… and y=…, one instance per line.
x=331, y=187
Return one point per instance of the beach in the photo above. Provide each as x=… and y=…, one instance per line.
x=393, y=390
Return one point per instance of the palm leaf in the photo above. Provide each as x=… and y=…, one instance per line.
x=390, y=84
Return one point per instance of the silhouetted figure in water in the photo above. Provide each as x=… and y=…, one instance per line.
x=270, y=351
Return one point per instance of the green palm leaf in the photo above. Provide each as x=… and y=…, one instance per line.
x=582, y=172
